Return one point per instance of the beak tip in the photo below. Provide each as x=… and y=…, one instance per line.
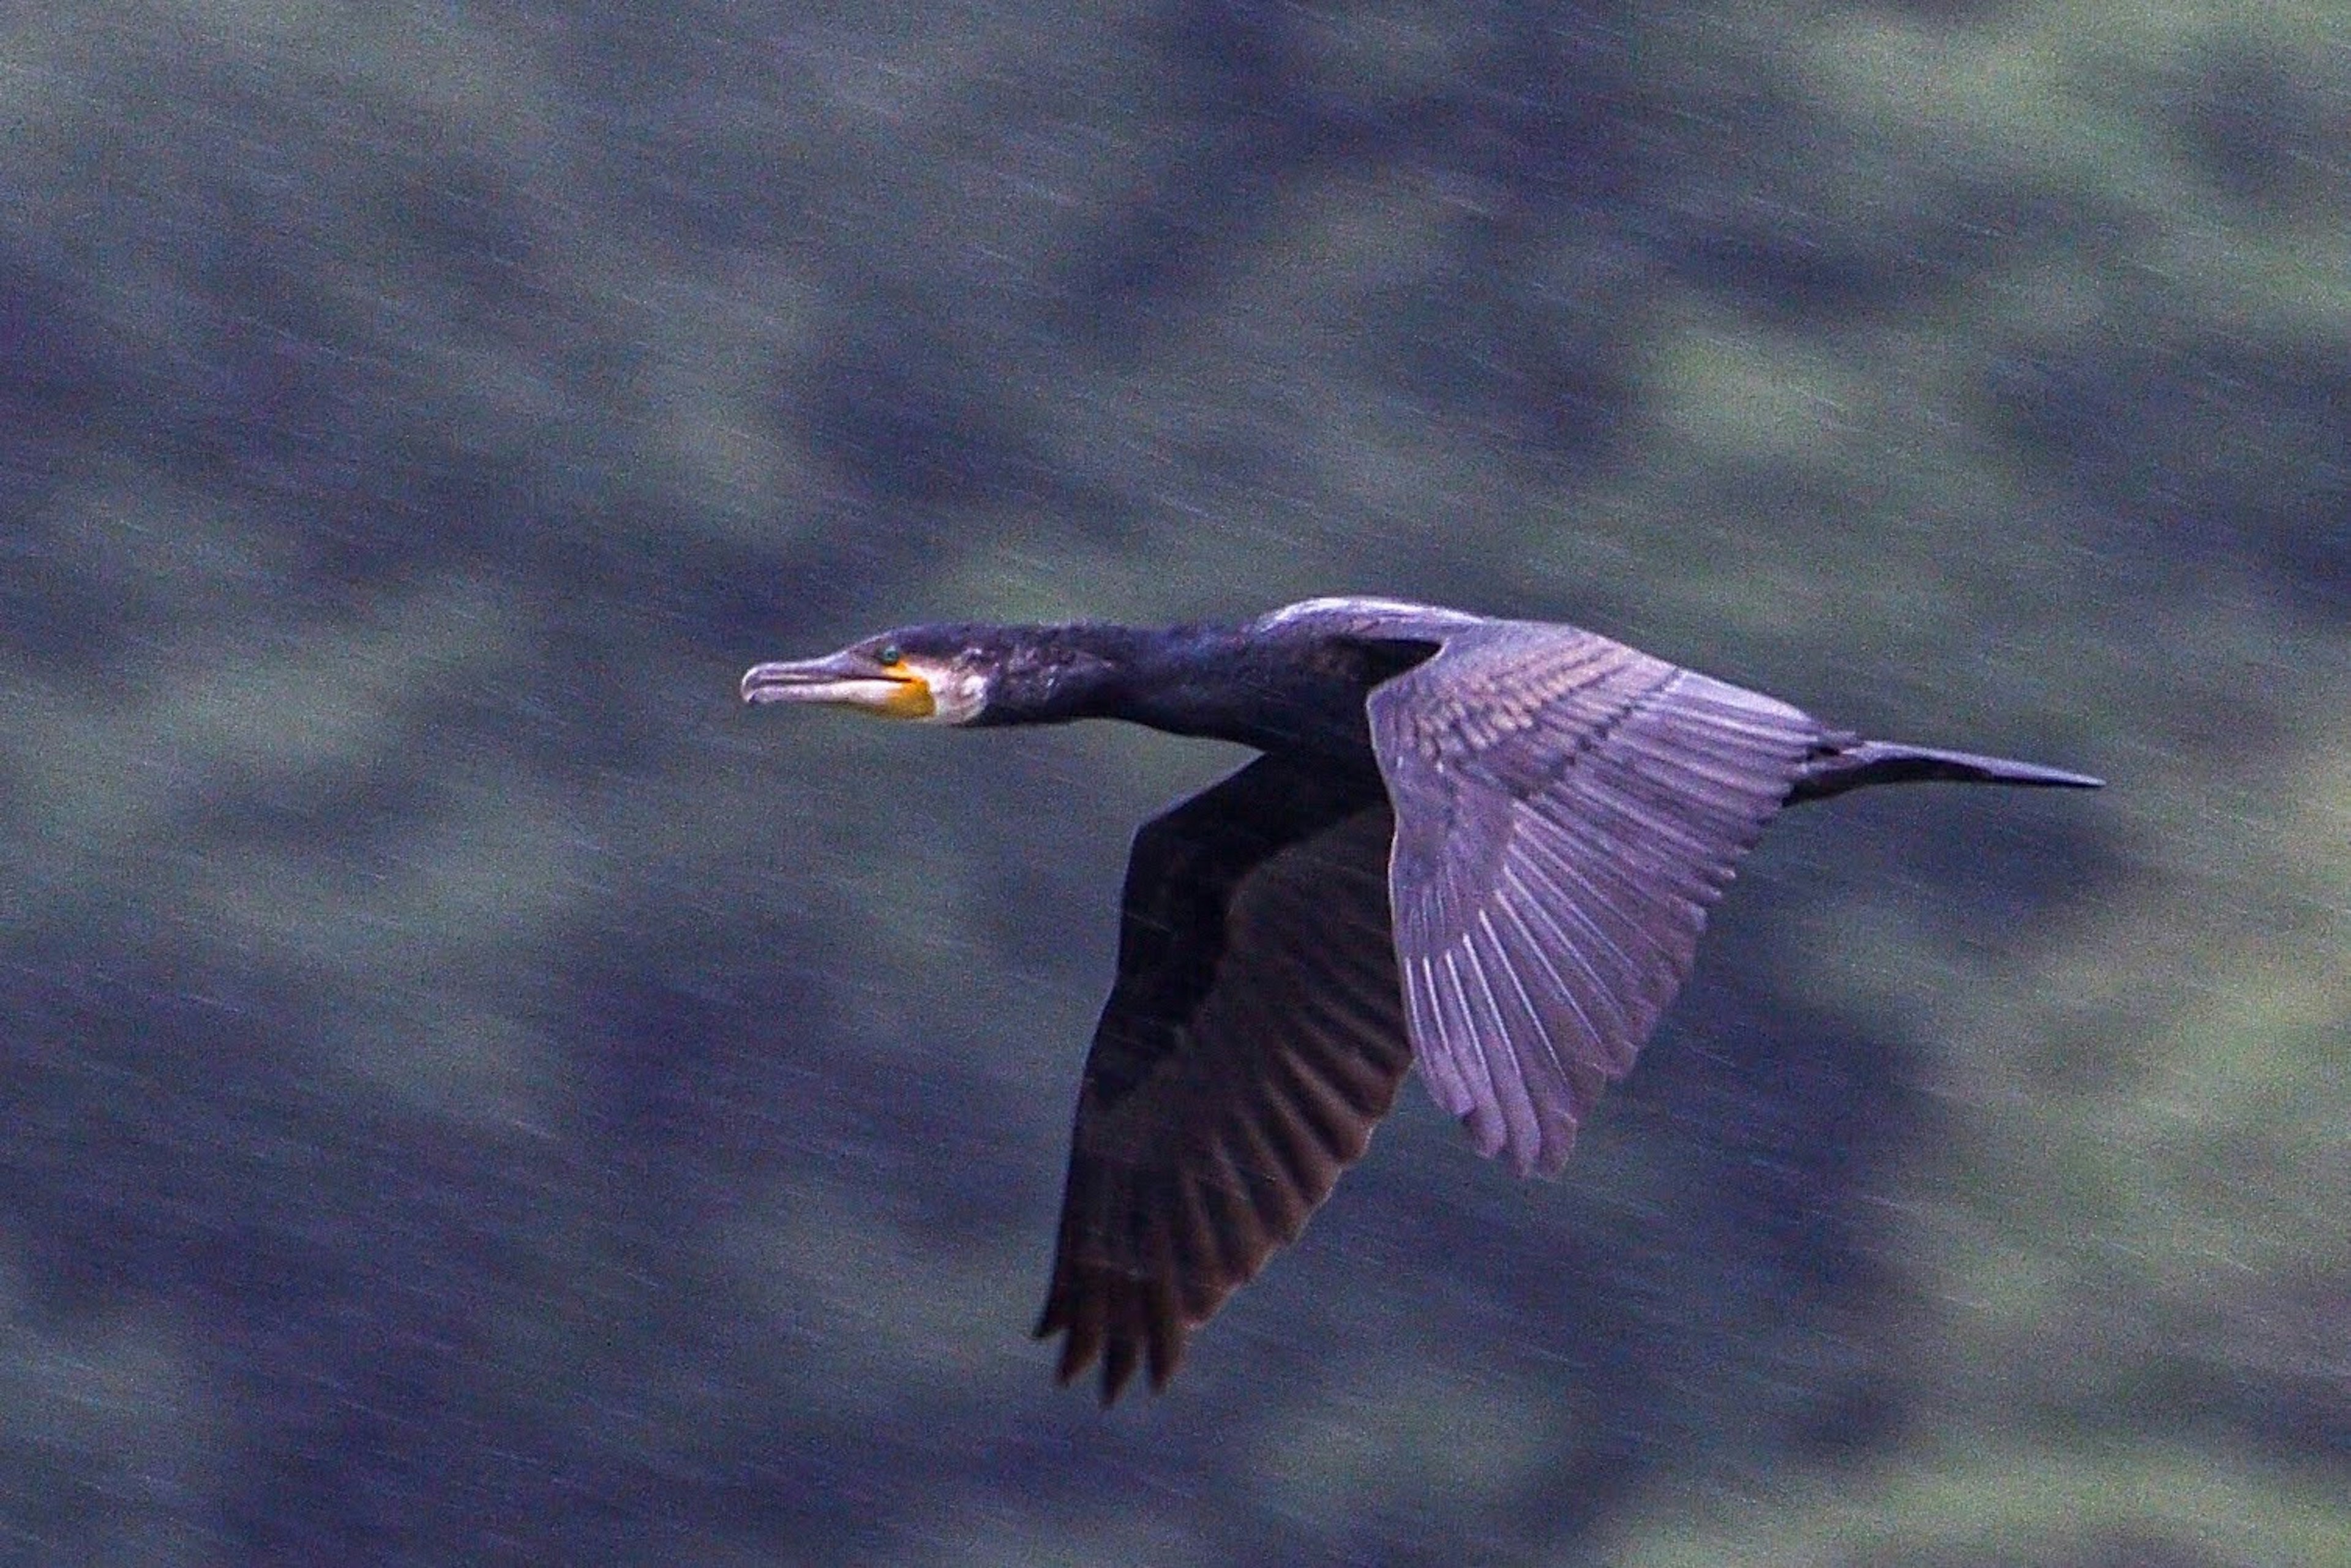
x=754, y=686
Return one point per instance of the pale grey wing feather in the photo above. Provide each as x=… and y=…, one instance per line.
x=1567, y=808
x=1253, y=1039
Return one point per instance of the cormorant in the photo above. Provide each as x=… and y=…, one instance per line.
x=1483, y=846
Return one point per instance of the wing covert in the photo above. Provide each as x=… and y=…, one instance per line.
x=1567, y=808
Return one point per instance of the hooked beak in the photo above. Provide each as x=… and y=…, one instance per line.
x=845, y=679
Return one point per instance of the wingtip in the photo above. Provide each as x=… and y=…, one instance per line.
x=1543, y=1155
x=1541, y=1162
x=1086, y=1343
x=1118, y=1364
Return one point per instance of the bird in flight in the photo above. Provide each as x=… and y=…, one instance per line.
x=1485, y=847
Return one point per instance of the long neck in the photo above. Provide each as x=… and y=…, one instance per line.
x=1209, y=680
x=1203, y=680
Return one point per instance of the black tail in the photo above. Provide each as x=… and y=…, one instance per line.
x=1854, y=765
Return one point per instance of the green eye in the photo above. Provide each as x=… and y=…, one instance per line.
x=890, y=654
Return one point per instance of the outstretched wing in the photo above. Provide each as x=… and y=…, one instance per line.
x=1566, y=809
x=1254, y=1036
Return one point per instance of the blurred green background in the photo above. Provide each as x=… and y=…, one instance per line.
x=469, y=1093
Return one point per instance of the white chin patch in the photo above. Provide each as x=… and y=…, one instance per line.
x=956, y=695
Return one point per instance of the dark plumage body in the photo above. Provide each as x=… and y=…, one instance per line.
x=1485, y=846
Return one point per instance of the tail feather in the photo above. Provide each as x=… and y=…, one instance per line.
x=1853, y=765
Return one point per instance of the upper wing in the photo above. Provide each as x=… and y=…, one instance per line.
x=1567, y=808
x=1254, y=1036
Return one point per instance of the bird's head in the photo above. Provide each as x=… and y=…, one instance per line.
x=940, y=674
